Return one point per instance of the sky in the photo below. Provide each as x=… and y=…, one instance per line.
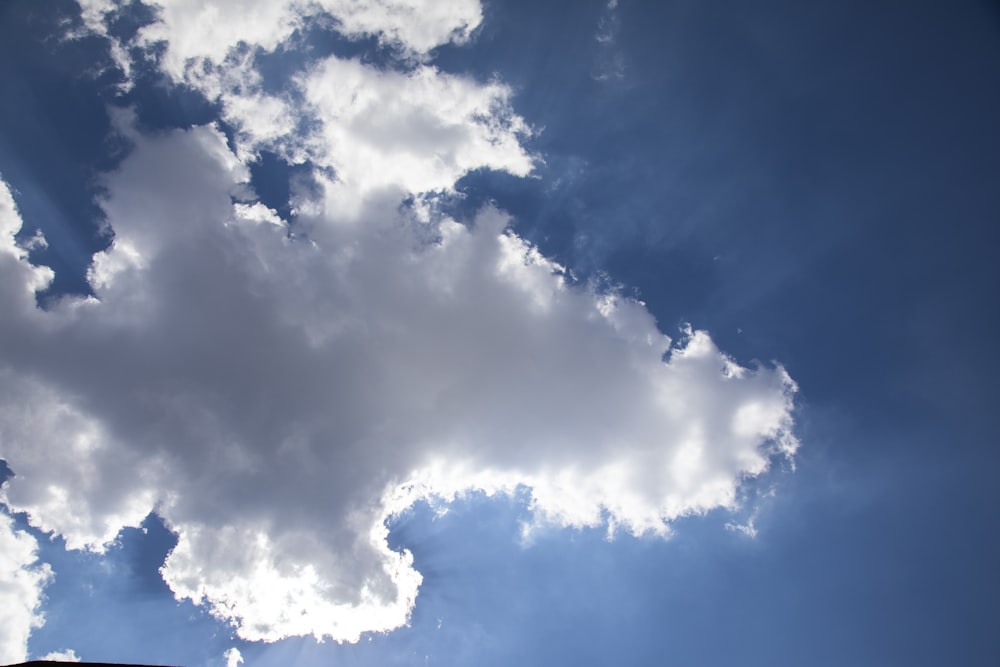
x=499, y=332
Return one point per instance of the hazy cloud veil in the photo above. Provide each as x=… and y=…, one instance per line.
x=276, y=390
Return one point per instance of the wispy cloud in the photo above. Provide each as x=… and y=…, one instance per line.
x=610, y=61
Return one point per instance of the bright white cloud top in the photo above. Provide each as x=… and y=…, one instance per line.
x=277, y=391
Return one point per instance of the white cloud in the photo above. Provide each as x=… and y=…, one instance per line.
x=200, y=34
x=275, y=392
x=275, y=398
x=233, y=657
x=66, y=655
x=407, y=132
x=381, y=131
x=22, y=580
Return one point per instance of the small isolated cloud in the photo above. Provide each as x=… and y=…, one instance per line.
x=66, y=655
x=22, y=581
x=277, y=390
x=233, y=657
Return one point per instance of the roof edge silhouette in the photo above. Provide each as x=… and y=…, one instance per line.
x=46, y=663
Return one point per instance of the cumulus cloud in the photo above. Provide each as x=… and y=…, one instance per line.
x=199, y=34
x=67, y=655
x=413, y=130
x=416, y=132
x=22, y=581
x=277, y=390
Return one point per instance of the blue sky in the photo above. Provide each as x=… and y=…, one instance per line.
x=500, y=332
